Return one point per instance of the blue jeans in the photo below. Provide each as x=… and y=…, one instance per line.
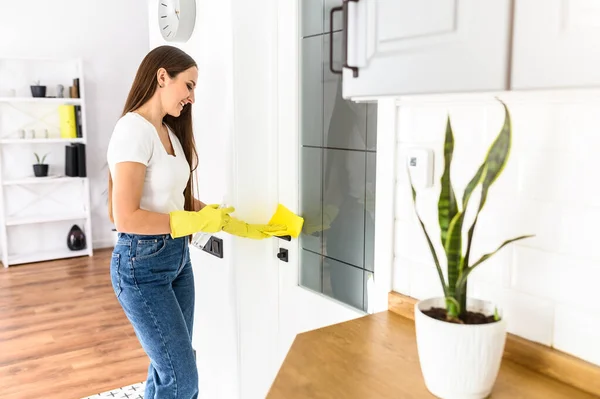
x=153, y=279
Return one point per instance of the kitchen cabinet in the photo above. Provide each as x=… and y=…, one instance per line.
x=556, y=45
x=398, y=47
x=403, y=47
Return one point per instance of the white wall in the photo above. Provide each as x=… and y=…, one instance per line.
x=111, y=36
x=545, y=284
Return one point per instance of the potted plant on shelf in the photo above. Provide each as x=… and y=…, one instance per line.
x=461, y=340
x=40, y=169
x=37, y=90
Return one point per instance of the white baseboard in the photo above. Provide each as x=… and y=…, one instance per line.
x=106, y=243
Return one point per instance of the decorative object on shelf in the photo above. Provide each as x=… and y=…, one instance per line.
x=40, y=169
x=21, y=133
x=37, y=90
x=461, y=342
x=60, y=89
x=76, y=239
x=74, y=90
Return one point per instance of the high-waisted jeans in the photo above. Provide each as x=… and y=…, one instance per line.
x=153, y=279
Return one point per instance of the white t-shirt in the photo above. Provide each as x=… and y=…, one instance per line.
x=135, y=139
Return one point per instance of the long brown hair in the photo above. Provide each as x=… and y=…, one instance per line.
x=144, y=85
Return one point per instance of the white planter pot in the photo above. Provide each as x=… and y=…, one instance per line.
x=459, y=361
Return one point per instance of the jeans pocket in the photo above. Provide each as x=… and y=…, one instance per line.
x=115, y=273
x=148, y=248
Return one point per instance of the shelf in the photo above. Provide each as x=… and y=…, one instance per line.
x=41, y=100
x=22, y=208
x=44, y=180
x=45, y=219
x=45, y=255
x=42, y=141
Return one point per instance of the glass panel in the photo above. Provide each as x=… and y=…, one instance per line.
x=337, y=171
x=344, y=122
x=312, y=92
x=337, y=17
x=343, y=205
x=312, y=17
x=311, y=270
x=311, y=197
x=372, y=127
x=370, y=212
x=343, y=282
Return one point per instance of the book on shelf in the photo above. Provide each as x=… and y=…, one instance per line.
x=70, y=121
x=75, y=160
x=68, y=126
x=78, y=123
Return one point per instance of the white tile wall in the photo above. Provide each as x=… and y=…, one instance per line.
x=546, y=285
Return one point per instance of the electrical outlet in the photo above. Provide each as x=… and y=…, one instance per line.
x=420, y=166
x=214, y=246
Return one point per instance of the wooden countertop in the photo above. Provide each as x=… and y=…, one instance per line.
x=376, y=357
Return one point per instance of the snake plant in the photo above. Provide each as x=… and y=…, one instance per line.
x=451, y=217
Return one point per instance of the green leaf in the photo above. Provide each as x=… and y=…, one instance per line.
x=431, y=248
x=452, y=307
x=447, y=207
x=496, y=315
x=492, y=167
x=453, y=250
x=472, y=184
x=463, y=279
x=488, y=173
x=37, y=157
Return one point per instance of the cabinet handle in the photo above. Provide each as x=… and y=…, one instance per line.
x=344, y=9
x=333, y=10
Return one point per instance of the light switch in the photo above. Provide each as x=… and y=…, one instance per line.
x=420, y=166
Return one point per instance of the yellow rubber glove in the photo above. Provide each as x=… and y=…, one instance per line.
x=314, y=223
x=209, y=219
x=239, y=228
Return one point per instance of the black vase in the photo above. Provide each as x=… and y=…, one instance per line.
x=40, y=169
x=76, y=239
x=38, y=91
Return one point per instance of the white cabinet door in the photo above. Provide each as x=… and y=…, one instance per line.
x=427, y=46
x=556, y=44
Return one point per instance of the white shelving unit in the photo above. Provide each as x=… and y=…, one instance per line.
x=37, y=212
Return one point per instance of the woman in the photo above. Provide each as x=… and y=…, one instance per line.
x=151, y=157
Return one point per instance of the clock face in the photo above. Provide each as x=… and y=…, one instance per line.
x=176, y=19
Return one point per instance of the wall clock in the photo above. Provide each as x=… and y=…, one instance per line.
x=176, y=19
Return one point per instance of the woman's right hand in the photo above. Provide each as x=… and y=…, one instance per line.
x=210, y=219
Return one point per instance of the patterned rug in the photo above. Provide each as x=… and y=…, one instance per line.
x=135, y=391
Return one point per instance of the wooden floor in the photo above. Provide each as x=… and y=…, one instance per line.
x=63, y=334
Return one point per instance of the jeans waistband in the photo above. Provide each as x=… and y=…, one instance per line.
x=129, y=236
